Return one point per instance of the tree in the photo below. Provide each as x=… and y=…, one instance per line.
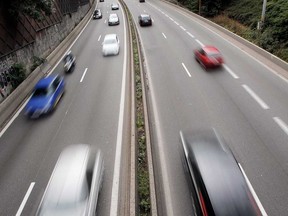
x=32, y=8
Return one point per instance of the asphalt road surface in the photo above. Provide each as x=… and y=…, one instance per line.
x=244, y=101
x=91, y=112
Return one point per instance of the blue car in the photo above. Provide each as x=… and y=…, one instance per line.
x=47, y=93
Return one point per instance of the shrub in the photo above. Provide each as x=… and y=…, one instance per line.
x=17, y=74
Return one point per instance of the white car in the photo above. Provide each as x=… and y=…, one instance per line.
x=110, y=45
x=114, y=6
x=75, y=183
x=113, y=19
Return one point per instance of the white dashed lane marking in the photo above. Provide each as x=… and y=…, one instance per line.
x=256, y=97
x=281, y=124
x=230, y=71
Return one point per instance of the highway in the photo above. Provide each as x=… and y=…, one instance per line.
x=94, y=111
x=245, y=101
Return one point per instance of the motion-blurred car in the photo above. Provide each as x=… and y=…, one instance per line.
x=101, y=0
x=46, y=95
x=75, y=183
x=209, y=57
x=217, y=182
x=145, y=20
x=114, y=6
x=113, y=19
x=110, y=45
x=69, y=62
x=97, y=14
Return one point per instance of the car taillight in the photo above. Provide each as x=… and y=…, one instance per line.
x=203, y=206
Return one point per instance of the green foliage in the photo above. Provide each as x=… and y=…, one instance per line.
x=32, y=8
x=246, y=12
x=36, y=62
x=17, y=74
x=209, y=8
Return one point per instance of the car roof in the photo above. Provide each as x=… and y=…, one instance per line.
x=144, y=15
x=210, y=49
x=113, y=14
x=108, y=36
x=223, y=179
x=68, y=177
x=46, y=81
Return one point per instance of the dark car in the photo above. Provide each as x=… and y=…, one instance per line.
x=46, y=95
x=114, y=6
x=208, y=57
x=217, y=182
x=97, y=14
x=101, y=0
x=145, y=20
x=141, y=0
x=75, y=184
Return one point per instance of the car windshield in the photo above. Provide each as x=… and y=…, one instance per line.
x=110, y=41
x=145, y=17
x=40, y=92
x=213, y=55
x=113, y=16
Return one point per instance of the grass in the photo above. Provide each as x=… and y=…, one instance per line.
x=144, y=208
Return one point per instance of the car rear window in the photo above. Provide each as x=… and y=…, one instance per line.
x=110, y=41
x=40, y=92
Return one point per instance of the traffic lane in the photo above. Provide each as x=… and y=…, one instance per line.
x=93, y=115
x=174, y=58
x=92, y=119
x=36, y=132
x=274, y=133
x=250, y=70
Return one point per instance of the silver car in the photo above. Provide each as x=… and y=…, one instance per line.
x=74, y=184
x=113, y=19
x=114, y=6
x=110, y=45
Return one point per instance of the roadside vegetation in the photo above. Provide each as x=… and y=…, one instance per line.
x=242, y=17
x=143, y=187
x=32, y=8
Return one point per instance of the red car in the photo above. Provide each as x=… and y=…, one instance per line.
x=209, y=57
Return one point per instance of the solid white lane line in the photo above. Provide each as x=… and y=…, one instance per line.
x=199, y=42
x=230, y=72
x=281, y=124
x=190, y=35
x=118, y=151
x=83, y=75
x=171, y=19
x=99, y=38
x=182, y=28
x=256, y=97
x=25, y=199
x=176, y=23
x=186, y=69
x=263, y=212
x=13, y=118
x=164, y=35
